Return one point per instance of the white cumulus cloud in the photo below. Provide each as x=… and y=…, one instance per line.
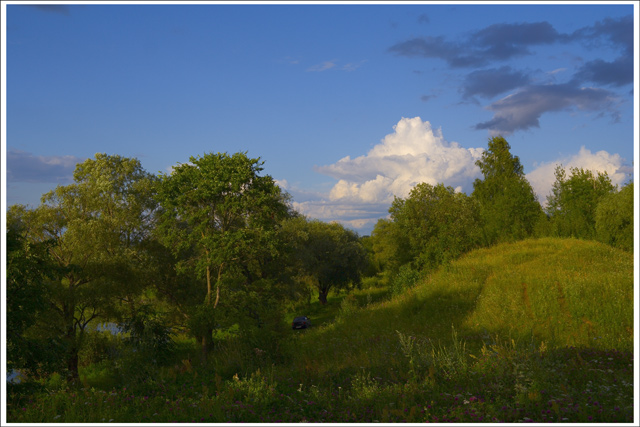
x=366, y=185
x=412, y=154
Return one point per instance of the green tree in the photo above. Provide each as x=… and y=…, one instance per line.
x=331, y=255
x=438, y=224
x=96, y=226
x=614, y=219
x=574, y=199
x=391, y=247
x=27, y=268
x=509, y=208
x=219, y=217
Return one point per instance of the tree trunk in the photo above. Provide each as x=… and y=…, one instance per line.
x=206, y=343
x=72, y=354
x=322, y=296
x=72, y=364
x=208, y=285
x=218, y=285
x=71, y=341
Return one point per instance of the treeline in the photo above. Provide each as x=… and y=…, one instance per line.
x=216, y=244
x=435, y=224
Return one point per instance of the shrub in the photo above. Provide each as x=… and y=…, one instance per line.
x=404, y=279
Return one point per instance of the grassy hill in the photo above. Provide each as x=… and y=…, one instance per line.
x=547, y=292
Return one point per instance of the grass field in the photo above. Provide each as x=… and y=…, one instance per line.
x=539, y=330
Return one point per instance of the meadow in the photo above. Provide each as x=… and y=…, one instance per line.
x=535, y=331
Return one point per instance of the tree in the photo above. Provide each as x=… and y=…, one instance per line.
x=574, y=199
x=614, y=219
x=509, y=209
x=391, y=247
x=28, y=267
x=96, y=226
x=219, y=216
x=438, y=223
x=328, y=253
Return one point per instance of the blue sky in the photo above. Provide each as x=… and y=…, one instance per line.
x=348, y=105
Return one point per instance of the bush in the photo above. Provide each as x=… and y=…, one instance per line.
x=348, y=306
x=98, y=346
x=149, y=336
x=404, y=279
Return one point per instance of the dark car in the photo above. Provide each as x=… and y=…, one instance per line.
x=301, y=322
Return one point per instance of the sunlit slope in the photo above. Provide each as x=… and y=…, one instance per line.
x=562, y=292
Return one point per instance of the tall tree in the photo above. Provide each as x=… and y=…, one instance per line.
x=219, y=213
x=96, y=225
x=331, y=255
x=439, y=224
x=509, y=208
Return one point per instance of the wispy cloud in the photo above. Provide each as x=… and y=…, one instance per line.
x=527, y=102
x=618, y=33
x=492, y=82
x=323, y=66
x=496, y=42
x=423, y=18
x=26, y=167
x=52, y=8
x=523, y=109
x=333, y=65
x=352, y=66
x=615, y=73
x=500, y=42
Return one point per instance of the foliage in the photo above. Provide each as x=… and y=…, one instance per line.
x=404, y=279
x=149, y=336
x=391, y=247
x=219, y=218
x=329, y=253
x=99, y=346
x=96, y=227
x=28, y=266
x=509, y=208
x=573, y=202
x=614, y=219
x=438, y=224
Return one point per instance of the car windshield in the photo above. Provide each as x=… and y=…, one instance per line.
x=299, y=319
